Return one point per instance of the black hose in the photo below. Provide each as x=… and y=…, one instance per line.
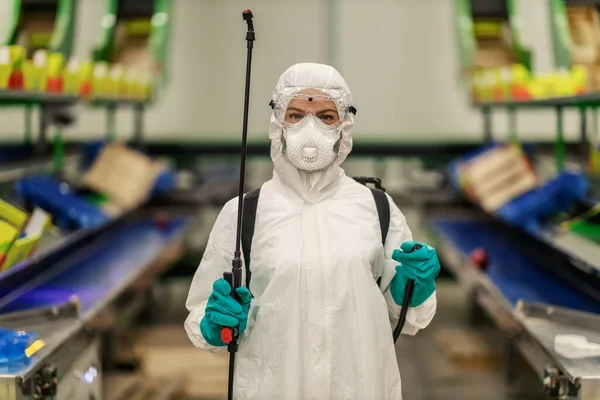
x=231, y=372
x=408, y=291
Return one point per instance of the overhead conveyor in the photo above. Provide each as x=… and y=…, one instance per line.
x=134, y=38
x=39, y=36
x=497, y=64
x=37, y=67
x=135, y=34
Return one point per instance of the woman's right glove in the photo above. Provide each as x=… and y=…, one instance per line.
x=222, y=310
x=418, y=262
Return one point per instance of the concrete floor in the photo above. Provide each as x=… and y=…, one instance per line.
x=428, y=371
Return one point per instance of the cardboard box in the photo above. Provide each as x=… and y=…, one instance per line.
x=36, y=31
x=126, y=177
x=493, y=47
x=132, y=46
x=497, y=176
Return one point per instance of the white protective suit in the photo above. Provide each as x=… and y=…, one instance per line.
x=319, y=326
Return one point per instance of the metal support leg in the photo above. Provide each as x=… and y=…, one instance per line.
x=138, y=127
x=147, y=314
x=42, y=148
x=595, y=123
x=593, y=143
x=58, y=152
x=111, y=133
x=475, y=313
x=583, y=132
x=108, y=350
x=511, y=360
x=559, y=150
x=487, y=124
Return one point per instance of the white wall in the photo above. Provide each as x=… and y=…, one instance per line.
x=398, y=57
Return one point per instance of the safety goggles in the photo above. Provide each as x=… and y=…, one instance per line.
x=291, y=110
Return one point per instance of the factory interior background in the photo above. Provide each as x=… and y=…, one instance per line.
x=399, y=57
x=120, y=142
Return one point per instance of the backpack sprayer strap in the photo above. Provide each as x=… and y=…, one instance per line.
x=249, y=220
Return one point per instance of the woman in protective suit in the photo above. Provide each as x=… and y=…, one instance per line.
x=325, y=290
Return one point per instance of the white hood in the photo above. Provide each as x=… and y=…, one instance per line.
x=312, y=186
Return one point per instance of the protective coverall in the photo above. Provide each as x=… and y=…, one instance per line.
x=319, y=326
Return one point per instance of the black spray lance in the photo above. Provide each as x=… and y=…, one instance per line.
x=234, y=278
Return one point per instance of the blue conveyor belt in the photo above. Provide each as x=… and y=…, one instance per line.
x=517, y=276
x=99, y=268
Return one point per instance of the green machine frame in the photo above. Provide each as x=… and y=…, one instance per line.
x=61, y=41
x=158, y=41
x=158, y=46
x=467, y=47
x=561, y=37
x=465, y=34
x=64, y=27
x=563, y=46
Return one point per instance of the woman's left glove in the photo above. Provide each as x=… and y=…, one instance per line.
x=223, y=311
x=420, y=263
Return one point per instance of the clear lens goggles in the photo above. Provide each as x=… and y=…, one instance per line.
x=291, y=110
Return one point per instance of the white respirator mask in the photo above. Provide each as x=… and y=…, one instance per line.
x=310, y=146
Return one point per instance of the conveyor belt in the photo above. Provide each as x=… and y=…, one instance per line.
x=517, y=276
x=53, y=333
x=98, y=270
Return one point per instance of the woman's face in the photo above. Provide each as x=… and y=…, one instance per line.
x=319, y=105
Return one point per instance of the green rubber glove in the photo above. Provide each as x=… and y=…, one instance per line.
x=421, y=265
x=222, y=310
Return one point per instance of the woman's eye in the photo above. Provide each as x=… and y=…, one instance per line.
x=328, y=119
x=295, y=116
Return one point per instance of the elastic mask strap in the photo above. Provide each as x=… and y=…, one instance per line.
x=337, y=144
x=283, y=142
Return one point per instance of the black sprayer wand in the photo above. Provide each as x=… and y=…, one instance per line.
x=234, y=278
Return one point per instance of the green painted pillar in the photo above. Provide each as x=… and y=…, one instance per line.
x=559, y=149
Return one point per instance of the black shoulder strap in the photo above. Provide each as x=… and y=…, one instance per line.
x=383, y=211
x=248, y=221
